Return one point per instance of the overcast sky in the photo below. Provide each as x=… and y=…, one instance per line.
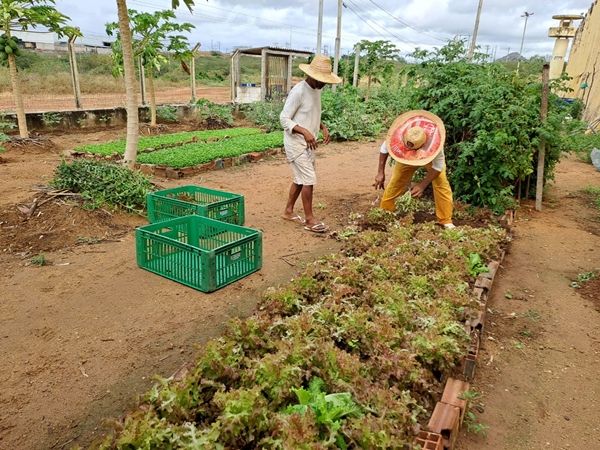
x=224, y=24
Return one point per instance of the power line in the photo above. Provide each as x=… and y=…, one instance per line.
x=379, y=33
x=406, y=24
x=218, y=18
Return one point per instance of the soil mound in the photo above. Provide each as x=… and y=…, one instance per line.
x=49, y=222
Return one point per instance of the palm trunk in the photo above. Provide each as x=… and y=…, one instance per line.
x=16, y=90
x=368, y=87
x=152, y=97
x=133, y=130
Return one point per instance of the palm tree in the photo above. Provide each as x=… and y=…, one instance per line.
x=133, y=121
x=26, y=14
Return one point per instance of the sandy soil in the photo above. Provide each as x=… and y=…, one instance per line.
x=82, y=337
x=539, y=367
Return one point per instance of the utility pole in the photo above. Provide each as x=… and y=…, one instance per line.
x=320, y=28
x=338, y=38
x=475, y=30
x=356, y=65
x=526, y=15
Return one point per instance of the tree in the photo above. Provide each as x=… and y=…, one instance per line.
x=377, y=60
x=133, y=131
x=153, y=35
x=23, y=15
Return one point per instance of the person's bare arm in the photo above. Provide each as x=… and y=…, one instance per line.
x=419, y=188
x=380, y=178
x=311, y=141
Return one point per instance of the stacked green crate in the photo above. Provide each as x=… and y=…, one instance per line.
x=195, y=238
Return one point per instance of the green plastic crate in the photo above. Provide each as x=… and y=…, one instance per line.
x=187, y=200
x=201, y=253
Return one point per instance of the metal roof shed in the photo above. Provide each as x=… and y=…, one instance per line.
x=276, y=73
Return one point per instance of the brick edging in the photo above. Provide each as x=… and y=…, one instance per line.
x=447, y=418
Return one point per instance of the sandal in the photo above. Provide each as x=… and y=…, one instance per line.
x=317, y=228
x=296, y=218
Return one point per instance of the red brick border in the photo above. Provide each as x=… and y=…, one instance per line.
x=442, y=429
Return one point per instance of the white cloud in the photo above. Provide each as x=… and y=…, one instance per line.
x=229, y=23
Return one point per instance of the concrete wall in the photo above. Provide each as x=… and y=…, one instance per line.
x=82, y=119
x=584, y=62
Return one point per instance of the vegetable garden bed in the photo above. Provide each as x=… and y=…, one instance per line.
x=351, y=354
x=183, y=154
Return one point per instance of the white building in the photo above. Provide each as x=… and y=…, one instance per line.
x=47, y=41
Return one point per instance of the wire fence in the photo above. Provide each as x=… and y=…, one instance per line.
x=46, y=81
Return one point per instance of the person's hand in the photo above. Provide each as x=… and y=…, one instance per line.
x=326, y=136
x=311, y=141
x=417, y=191
x=379, y=180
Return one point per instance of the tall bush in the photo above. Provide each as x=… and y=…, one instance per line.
x=493, y=125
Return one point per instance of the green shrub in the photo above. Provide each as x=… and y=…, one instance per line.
x=166, y=113
x=6, y=124
x=103, y=184
x=493, y=125
x=3, y=138
x=213, y=115
x=347, y=116
x=264, y=114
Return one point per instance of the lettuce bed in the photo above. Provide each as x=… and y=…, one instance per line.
x=349, y=355
x=201, y=153
x=153, y=142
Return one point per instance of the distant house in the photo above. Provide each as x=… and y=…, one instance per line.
x=47, y=41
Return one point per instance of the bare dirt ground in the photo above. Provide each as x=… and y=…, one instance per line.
x=83, y=336
x=538, y=372
x=43, y=103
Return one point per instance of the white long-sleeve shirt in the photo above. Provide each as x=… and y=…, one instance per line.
x=438, y=163
x=302, y=107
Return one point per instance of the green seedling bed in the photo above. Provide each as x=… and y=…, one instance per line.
x=198, y=252
x=187, y=200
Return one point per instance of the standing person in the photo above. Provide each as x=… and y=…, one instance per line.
x=301, y=121
x=416, y=139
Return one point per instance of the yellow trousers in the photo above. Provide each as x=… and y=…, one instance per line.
x=400, y=182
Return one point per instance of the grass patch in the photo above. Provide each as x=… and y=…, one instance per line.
x=594, y=193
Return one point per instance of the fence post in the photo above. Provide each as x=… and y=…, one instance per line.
x=356, y=65
x=74, y=72
x=193, y=71
x=542, y=152
x=142, y=81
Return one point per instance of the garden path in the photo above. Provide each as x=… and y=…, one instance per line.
x=81, y=338
x=538, y=371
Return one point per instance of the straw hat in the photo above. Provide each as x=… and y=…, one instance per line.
x=320, y=69
x=416, y=137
